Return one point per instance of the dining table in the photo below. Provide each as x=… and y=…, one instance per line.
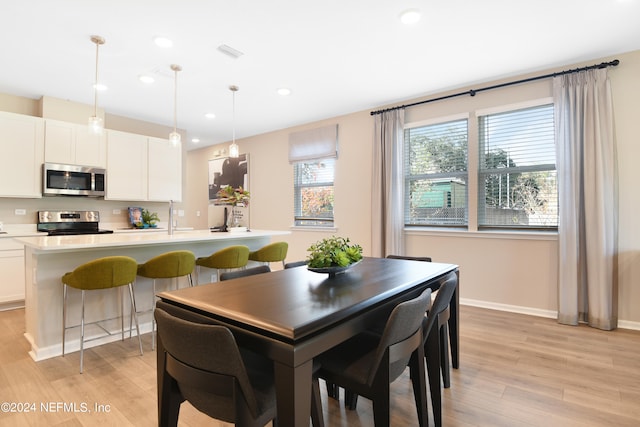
x=293, y=315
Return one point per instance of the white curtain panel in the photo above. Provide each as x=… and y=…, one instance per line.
x=387, y=223
x=588, y=199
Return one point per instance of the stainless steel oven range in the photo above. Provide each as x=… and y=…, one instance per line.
x=63, y=223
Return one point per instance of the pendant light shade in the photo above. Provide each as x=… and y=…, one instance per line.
x=174, y=137
x=95, y=122
x=234, y=150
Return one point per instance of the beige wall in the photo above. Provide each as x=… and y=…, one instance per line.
x=516, y=271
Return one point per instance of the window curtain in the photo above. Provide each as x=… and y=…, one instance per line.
x=387, y=221
x=588, y=202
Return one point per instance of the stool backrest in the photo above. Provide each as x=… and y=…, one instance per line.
x=167, y=265
x=102, y=273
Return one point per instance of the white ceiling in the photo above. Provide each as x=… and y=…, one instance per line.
x=336, y=56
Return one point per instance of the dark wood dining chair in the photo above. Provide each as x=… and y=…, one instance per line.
x=443, y=329
x=243, y=273
x=368, y=363
x=204, y=366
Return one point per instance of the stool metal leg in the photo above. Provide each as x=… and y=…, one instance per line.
x=133, y=301
x=64, y=315
x=82, y=335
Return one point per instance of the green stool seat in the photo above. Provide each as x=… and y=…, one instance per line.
x=170, y=265
x=272, y=252
x=233, y=257
x=102, y=273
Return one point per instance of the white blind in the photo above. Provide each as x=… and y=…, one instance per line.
x=517, y=182
x=314, y=144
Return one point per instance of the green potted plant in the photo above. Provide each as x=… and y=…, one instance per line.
x=149, y=219
x=333, y=254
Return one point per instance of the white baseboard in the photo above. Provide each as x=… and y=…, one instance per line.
x=623, y=324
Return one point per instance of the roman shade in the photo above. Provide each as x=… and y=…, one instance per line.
x=313, y=144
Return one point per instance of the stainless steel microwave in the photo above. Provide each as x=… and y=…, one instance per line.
x=72, y=180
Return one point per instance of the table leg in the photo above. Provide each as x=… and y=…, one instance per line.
x=454, y=332
x=293, y=392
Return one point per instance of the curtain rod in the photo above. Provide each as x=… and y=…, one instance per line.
x=473, y=92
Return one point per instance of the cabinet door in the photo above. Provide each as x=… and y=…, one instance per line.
x=165, y=170
x=70, y=143
x=126, y=166
x=22, y=148
x=12, y=267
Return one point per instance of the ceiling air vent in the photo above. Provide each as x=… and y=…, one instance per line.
x=229, y=51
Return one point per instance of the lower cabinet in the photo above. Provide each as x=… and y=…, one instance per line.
x=12, y=267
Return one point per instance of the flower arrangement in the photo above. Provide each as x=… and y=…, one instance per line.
x=233, y=196
x=333, y=252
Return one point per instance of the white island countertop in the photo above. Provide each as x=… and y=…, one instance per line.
x=72, y=243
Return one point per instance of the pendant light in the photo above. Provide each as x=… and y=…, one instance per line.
x=95, y=122
x=174, y=137
x=234, y=150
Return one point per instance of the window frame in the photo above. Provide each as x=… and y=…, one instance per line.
x=312, y=222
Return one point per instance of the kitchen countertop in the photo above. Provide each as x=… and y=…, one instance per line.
x=63, y=243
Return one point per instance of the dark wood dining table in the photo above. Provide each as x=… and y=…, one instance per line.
x=293, y=315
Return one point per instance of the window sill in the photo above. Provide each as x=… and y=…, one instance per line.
x=484, y=234
x=332, y=229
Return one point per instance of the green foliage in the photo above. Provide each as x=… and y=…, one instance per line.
x=233, y=196
x=149, y=217
x=333, y=252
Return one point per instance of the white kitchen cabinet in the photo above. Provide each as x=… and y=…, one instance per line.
x=22, y=155
x=165, y=171
x=126, y=166
x=71, y=143
x=12, y=267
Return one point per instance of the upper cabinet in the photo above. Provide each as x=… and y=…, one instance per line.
x=22, y=148
x=126, y=166
x=165, y=171
x=141, y=168
x=71, y=143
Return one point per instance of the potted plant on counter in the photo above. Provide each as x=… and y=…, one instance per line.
x=235, y=197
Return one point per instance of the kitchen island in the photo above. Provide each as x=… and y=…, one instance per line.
x=48, y=258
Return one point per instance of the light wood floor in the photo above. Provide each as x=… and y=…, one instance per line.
x=515, y=370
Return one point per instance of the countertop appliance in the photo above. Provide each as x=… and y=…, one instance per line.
x=64, y=223
x=72, y=180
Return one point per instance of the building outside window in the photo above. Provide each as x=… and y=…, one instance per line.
x=436, y=174
x=516, y=180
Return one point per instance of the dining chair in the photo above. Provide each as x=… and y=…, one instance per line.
x=368, y=363
x=273, y=252
x=294, y=264
x=204, y=366
x=232, y=257
x=443, y=328
x=431, y=350
x=169, y=265
x=243, y=273
x=102, y=273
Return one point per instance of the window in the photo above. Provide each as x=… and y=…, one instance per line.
x=517, y=185
x=435, y=164
x=313, y=155
x=313, y=190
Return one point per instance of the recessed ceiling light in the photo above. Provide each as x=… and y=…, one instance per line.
x=210, y=116
x=100, y=87
x=195, y=140
x=146, y=79
x=410, y=16
x=283, y=91
x=162, y=41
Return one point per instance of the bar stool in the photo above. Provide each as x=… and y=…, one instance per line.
x=170, y=265
x=229, y=258
x=101, y=273
x=272, y=252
